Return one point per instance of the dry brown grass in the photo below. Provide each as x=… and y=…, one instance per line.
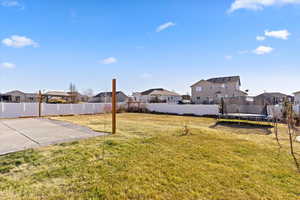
x=149, y=158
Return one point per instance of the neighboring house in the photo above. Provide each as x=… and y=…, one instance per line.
x=57, y=97
x=5, y=98
x=211, y=91
x=297, y=97
x=18, y=97
x=157, y=95
x=64, y=97
x=186, y=99
x=271, y=98
x=83, y=98
x=242, y=100
x=106, y=97
x=77, y=97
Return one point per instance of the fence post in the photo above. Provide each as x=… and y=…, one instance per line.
x=24, y=108
x=113, y=101
x=1, y=109
x=40, y=103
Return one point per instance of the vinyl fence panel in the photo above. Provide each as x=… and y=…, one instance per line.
x=14, y=110
x=277, y=111
x=193, y=109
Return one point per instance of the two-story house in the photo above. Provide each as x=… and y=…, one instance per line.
x=211, y=91
x=297, y=97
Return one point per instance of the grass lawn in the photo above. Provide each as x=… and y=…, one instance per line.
x=150, y=158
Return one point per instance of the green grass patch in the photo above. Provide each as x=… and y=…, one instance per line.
x=15, y=160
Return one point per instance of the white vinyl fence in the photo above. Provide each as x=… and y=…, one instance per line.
x=190, y=109
x=14, y=110
x=277, y=111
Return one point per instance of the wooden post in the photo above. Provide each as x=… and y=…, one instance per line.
x=40, y=103
x=114, y=105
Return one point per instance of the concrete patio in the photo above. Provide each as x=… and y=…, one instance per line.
x=20, y=134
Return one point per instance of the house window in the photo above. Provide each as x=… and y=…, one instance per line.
x=198, y=89
x=198, y=98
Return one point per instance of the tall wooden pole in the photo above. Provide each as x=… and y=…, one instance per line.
x=40, y=103
x=114, y=105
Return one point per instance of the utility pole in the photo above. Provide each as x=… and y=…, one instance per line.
x=114, y=105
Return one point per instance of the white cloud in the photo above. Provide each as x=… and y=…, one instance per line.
x=109, y=60
x=260, y=38
x=261, y=50
x=19, y=41
x=165, y=26
x=10, y=3
x=146, y=76
x=258, y=4
x=228, y=57
x=8, y=65
x=280, y=34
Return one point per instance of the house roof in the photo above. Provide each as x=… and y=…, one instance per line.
x=159, y=91
x=108, y=94
x=147, y=92
x=245, y=93
x=272, y=94
x=57, y=93
x=15, y=91
x=225, y=79
x=298, y=92
x=221, y=80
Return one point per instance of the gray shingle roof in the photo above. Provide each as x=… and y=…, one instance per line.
x=151, y=90
x=272, y=94
x=221, y=80
x=225, y=79
x=109, y=94
x=159, y=91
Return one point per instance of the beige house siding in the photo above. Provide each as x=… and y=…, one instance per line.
x=297, y=98
x=18, y=97
x=205, y=92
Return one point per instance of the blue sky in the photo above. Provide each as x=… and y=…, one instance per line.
x=145, y=44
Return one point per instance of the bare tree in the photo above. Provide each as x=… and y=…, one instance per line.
x=73, y=92
x=291, y=123
x=275, y=125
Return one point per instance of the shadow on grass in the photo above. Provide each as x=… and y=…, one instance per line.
x=244, y=125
